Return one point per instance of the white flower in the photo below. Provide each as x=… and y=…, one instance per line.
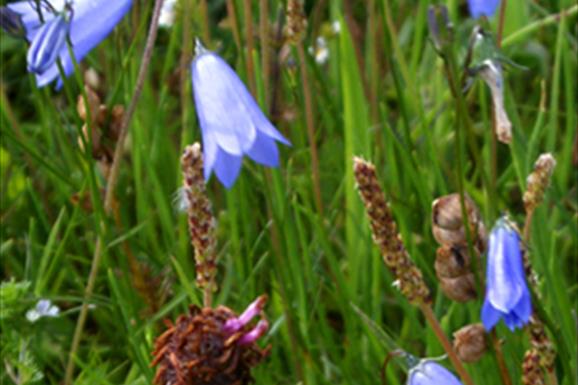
x=167, y=17
x=44, y=308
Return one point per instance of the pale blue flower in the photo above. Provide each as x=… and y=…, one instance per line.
x=429, y=372
x=90, y=22
x=47, y=43
x=232, y=124
x=480, y=8
x=507, y=295
x=43, y=308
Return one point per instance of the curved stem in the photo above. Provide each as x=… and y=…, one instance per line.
x=443, y=339
x=310, y=127
x=110, y=186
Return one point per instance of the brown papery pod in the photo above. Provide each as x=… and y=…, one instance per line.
x=459, y=289
x=470, y=342
x=452, y=261
x=448, y=224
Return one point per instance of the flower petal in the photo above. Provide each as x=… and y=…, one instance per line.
x=223, y=103
x=504, y=289
x=439, y=374
x=429, y=372
x=264, y=125
x=490, y=316
x=210, y=152
x=480, y=8
x=227, y=167
x=49, y=40
x=264, y=151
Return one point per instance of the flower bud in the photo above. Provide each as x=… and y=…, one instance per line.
x=470, y=342
x=448, y=224
x=47, y=44
x=459, y=289
x=440, y=26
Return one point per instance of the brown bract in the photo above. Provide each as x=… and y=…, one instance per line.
x=196, y=351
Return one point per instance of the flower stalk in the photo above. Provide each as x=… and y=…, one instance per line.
x=542, y=354
x=111, y=184
x=409, y=278
x=201, y=221
x=295, y=32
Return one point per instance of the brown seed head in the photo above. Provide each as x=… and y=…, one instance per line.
x=532, y=373
x=470, y=342
x=296, y=24
x=408, y=277
x=541, y=342
x=196, y=350
x=201, y=221
x=538, y=181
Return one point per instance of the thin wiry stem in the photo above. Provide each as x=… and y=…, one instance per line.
x=443, y=339
x=310, y=127
x=497, y=345
x=504, y=373
x=250, y=40
x=265, y=48
x=501, y=22
x=204, y=11
x=110, y=186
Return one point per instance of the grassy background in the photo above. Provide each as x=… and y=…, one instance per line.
x=382, y=95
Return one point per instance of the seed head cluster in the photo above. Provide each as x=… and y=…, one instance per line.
x=200, y=216
x=538, y=181
x=385, y=235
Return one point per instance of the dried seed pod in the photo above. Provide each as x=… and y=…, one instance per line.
x=452, y=262
x=470, y=342
x=448, y=224
x=97, y=110
x=460, y=289
x=210, y=347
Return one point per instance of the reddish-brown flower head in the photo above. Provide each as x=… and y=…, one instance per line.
x=210, y=347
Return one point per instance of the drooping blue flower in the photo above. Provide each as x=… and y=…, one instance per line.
x=507, y=295
x=90, y=22
x=429, y=372
x=232, y=124
x=47, y=43
x=480, y=8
